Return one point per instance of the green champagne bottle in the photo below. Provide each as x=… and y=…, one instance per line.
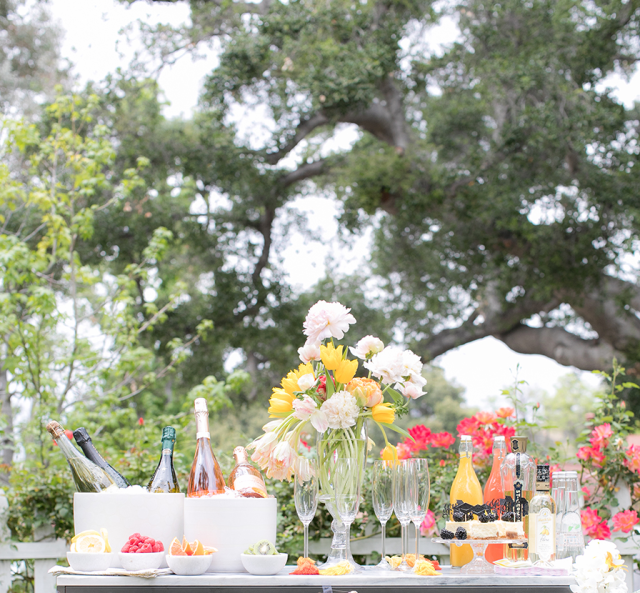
x=164, y=478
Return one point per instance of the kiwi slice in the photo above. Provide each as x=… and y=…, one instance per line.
x=249, y=551
x=264, y=548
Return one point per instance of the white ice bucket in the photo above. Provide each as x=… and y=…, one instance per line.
x=160, y=516
x=231, y=525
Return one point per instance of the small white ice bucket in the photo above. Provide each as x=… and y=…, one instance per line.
x=231, y=525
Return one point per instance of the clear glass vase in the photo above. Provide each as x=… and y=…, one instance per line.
x=332, y=445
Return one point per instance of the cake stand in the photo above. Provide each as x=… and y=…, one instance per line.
x=478, y=565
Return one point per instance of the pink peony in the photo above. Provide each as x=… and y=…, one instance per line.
x=367, y=347
x=428, y=526
x=327, y=320
x=309, y=352
x=625, y=521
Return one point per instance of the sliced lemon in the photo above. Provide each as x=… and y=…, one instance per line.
x=105, y=537
x=74, y=539
x=93, y=544
x=73, y=547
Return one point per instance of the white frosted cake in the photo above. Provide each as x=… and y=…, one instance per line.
x=453, y=525
x=478, y=530
x=510, y=529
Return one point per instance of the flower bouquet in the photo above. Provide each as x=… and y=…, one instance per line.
x=325, y=392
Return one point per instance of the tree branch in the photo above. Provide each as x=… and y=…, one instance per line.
x=305, y=127
x=306, y=171
x=560, y=345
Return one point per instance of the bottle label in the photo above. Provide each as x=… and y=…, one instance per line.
x=542, y=525
x=249, y=482
x=517, y=496
x=200, y=435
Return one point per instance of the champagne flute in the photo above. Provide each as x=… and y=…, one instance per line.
x=305, y=495
x=382, y=497
x=403, y=502
x=347, y=493
x=421, y=498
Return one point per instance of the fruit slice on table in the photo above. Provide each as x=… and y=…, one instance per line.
x=175, y=549
x=93, y=544
x=74, y=539
x=105, y=537
x=197, y=547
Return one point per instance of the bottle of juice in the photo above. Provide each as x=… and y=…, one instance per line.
x=493, y=491
x=466, y=488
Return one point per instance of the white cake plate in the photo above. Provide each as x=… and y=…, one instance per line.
x=478, y=565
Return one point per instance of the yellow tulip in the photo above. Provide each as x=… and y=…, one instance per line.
x=290, y=382
x=383, y=413
x=331, y=356
x=278, y=407
x=345, y=370
x=389, y=453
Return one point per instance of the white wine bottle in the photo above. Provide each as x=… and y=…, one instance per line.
x=542, y=520
x=87, y=476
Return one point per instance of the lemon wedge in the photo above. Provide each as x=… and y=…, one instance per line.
x=105, y=537
x=74, y=539
x=92, y=544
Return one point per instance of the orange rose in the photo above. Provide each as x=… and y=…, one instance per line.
x=366, y=391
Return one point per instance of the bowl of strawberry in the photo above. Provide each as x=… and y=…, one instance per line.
x=141, y=552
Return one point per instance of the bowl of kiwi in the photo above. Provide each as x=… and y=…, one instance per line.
x=262, y=558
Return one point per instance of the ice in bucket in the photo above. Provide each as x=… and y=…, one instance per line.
x=121, y=513
x=231, y=525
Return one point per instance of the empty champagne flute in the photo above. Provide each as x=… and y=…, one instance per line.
x=421, y=498
x=382, y=497
x=346, y=484
x=403, y=502
x=305, y=495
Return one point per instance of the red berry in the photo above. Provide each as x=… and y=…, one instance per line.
x=161, y=546
x=151, y=541
x=156, y=548
x=125, y=548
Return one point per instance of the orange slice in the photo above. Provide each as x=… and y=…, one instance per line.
x=175, y=549
x=197, y=547
x=186, y=547
x=209, y=550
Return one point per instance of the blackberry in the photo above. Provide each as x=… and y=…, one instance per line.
x=458, y=516
x=484, y=518
x=511, y=517
x=493, y=516
x=461, y=533
x=446, y=534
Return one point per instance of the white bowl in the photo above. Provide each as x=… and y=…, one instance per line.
x=189, y=565
x=88, y=562
x=271, y=564
x=142, y=561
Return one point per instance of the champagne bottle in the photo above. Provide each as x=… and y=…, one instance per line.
x=90, y=452
x=245, y=478
x=164, y=478
x=87, y=476
x=206, y=477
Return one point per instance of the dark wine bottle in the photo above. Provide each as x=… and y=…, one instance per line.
x=164, y=478
x=84, y=441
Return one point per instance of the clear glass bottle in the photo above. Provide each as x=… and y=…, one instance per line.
x=90, y=452
x=164, y=479
x=245, y=478
x=493, y=492
x=466, y=488
x=542, y=520
x=557, y=493
x=518, y=472
x=571, y=528
x=87, y=476
x=206, y=476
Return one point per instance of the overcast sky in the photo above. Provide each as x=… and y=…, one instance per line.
x=91, y=43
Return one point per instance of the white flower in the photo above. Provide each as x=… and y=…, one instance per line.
x=309, y=352
x=599, y=569
x=367, y=347
x=341, y=410
x=269, y=426
x=306, y=381
x=307, y=409
x=387, y=365
x=327, y=320
x=412, y=367
x=411, y=390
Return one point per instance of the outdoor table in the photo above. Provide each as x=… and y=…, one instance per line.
x=451, y=581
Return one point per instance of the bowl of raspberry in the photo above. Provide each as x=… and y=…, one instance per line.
x=141, y=552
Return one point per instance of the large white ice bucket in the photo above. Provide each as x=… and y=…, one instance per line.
x=231, y=525
x=160, y=516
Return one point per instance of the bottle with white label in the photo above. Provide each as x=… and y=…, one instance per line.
x=244, y=478
x=542, y=520
x=571, y=527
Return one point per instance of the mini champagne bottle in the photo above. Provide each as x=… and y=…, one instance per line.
x=164, y=478
x=245, y=478
x=87, y=476
x=90, y=452
x=206, y=476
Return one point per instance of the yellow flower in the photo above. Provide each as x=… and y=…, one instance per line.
x=290, y=382
x=345, y=370
x=383, y=413
x=331, y=356
x=280, y=403
x=389, y=453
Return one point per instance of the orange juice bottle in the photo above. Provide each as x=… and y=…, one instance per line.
x=493, y=491
x=466, y=488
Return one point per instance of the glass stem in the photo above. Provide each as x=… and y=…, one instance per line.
x=306, y=540
x=384, y=527
x=348, y=529
x=417, y=538
x=402, y=534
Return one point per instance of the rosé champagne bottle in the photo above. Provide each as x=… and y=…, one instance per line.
x=206, y=477
x=244, y=478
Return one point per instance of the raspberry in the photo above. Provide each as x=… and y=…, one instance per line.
x=126, y=548
x=145, y=549
x=151, y=541
x=160, y=545
x=156, y=548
